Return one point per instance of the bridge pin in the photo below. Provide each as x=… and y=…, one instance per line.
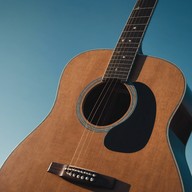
x=86, y=178
x=91, y=179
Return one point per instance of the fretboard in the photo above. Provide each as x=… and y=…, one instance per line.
x=130, y=41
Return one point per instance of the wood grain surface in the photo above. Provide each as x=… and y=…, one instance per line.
x=152, y=169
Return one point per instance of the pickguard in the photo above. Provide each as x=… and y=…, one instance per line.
x=134, y=133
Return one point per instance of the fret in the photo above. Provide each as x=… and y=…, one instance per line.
x=133, y=31
x=120, y=50
x=120, y=56
x=145, y=4
x=123, y=58
x=115, y=73
x=126, y=42
x=123, y=79
x=143, y=20
x=129, y=33
x=133, y=34
x=122, y=64
x=112, y=74
x=144, y=8
x=130, y=40
x=137, y=25
x=123, y=52
x=138, y=17
x=117, y=70
x=142, y=12
x=119, y=65
x=134, y=40
x=115, y=64
x=116, y=76
x=127, y=45
x=124, y=55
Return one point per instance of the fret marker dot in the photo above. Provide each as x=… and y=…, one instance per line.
x=129, y=40
x=134, y=28
x=123, y=57
x=123, y=40
x=116, y=69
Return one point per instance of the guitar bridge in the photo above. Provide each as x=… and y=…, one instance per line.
x=81, y=176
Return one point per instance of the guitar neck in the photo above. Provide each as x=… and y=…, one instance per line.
x=130, y=41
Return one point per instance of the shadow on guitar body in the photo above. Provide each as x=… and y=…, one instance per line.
x=133, y=134
x=119, y=187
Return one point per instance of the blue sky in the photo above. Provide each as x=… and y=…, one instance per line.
x=39, y=37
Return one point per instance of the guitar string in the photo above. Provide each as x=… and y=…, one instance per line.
x=86, y=131
x=108, y=84
x=122, y=49
x=86, y=137
x=97, y=134
x=102, y=147
x=91, y=134
x=98, y=120
x=90, y=119
x=100, y=116
x=101, y=152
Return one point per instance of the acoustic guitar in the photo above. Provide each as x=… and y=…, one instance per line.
x=108, y=129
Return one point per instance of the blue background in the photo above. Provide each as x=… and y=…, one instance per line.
x=39, y=37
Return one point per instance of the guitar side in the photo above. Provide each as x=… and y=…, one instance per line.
x=151, y=169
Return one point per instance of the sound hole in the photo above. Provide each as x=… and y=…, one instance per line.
x=106, y=103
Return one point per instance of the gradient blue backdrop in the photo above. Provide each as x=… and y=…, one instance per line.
x=39, y=37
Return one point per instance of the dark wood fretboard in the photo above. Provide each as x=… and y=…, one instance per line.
x=130, y=40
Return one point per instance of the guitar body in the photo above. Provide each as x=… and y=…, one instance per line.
x=150, y=167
